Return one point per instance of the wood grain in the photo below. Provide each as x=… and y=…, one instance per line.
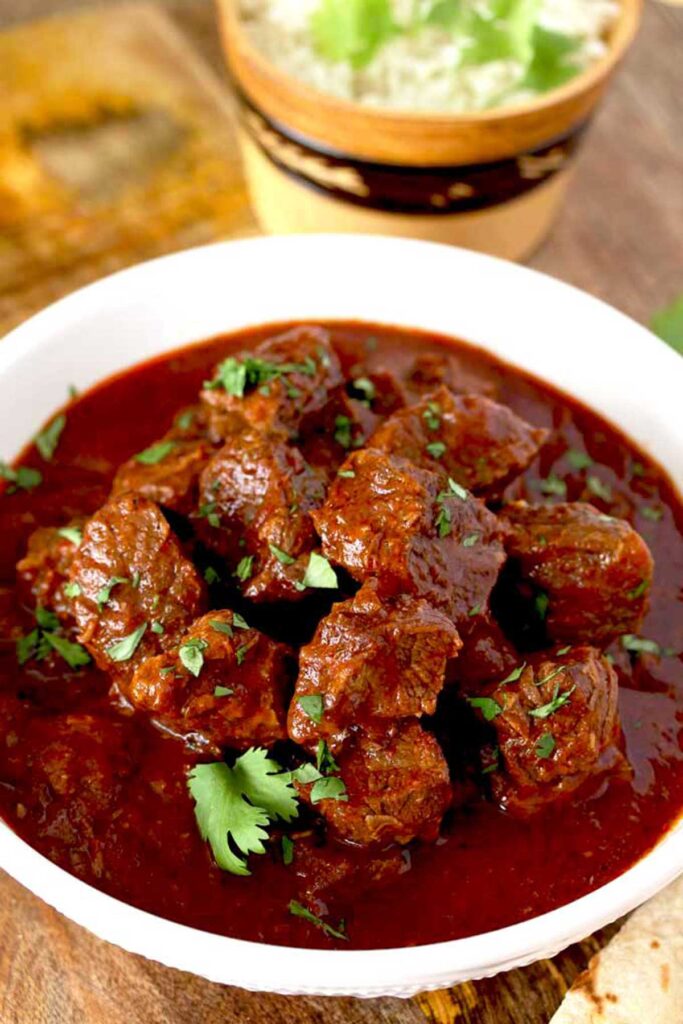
x=619, y=238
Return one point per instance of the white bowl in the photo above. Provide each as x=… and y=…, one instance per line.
x=559, y=333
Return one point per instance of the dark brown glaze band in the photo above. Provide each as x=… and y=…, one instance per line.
x=402, y=189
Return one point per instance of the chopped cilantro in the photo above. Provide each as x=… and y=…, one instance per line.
x=598, y=488
x=578, y=460
x=210, y=575
x=47, y=440
x=313, y=706
x=342, y=431
x=234, y=806
x=436, y=449
x=320, y=574
x=104, y=593
x=74, y=655
x=432, y=415
x=474, y=610
x=157, y=628
x=237, y=376
x=22, y=479
x=470, y=540
x=366, y=388
x=239, y=622
x=124, y=649
x=191, y=654
x=557, y=701
x=668, y=324
x=29, y=646
x=324, y=761
x=330, y=788
x=287, y=850
x=638, y=469
x=552, y=485
x=244, y=569
x=208, y=512
x=551, y=675
x=72, y=590
x=514, y=675
x=638, y=591
x=185, y=420
x=444, y=522
x=71, y=533
x=222, y=691
x=545, y=745
x=306, y=773
x=652, y=512
x=562, y=651
x=454, y=488
x=347, y=474
x=299, y=910
x=640, y=645
x=241, y=653
x=46, y=619
x=489, y=707
x=221, y=627
x=135, y=582
x=282, y=556
x=541, y=603
x=155, y=453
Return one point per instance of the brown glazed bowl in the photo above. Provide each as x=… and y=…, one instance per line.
x=491, y=180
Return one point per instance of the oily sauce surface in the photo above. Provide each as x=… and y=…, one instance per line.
x=487, y=870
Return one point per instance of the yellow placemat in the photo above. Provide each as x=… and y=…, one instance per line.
x=116, y=145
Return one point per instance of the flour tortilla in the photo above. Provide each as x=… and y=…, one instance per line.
x=638, y=977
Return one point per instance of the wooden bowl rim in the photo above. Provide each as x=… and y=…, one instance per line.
x=621, y=37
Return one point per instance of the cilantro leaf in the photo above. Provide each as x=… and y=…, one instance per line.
x=71, y=533
x=545, y=745
x=22, y=479
x=640, y=645
x=244, y=568
x=668, y=324
x=578, y=460
x=313, y=706
x=351, y=31
x=489, y=707
x=234, y=806
x=155, y=453
x=551, y=64
x=330, y=788
x=282, y=556
x=222, y=691
x=319, y=573
x=104, y=593
x=287, y=850
x=557, y=701
x=342, y=431
x=47, y=440
x=191, y=654
x=72, y=590
x=74, y=655
x=124, y=649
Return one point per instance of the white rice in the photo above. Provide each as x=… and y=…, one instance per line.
x=420, y=71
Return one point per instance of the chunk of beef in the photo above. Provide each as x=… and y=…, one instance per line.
x=256, y=496
x=370, y=659
x=223, y=685
x=486, y=654
x=133, y=578
x=276, y=387
x=331, y=874
x=386, y=518
x=343, y=425
x=71, y=769
x=556, y=726
x=397, y=786
x=43, y=572
x=430, y=370
x=171, y=480
x=480, y=444
x=595, y=570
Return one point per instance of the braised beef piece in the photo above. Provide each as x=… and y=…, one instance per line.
x=480, y=444
x=397, y=787
x=371, y=658
x=386, y=518
x=72, y=768
x=595, y=571
x=43, y=572
x=343, y=425
x=486, y=654
x=138, y=590
x=256, y=496
x=430, y=370
x=166, y=473
x=275, y=387
x=332, y=874
x=222, y=685
x=556, y=726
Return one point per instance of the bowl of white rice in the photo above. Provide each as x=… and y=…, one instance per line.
x=451, y=120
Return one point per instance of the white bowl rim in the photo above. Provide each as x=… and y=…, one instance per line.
x=364, y=973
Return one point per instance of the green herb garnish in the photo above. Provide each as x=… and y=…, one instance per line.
x=299, y=910
x=598, y=488
x=578, y=460
x=47, y=440
x=282, y=556
x=489, y=707
x=313, y=706
x=24, y=478
x=244, y=569
x=155, y=453
x=191, y=654
x=104, y=593
x=557, y=701
x=330, y=788
x=320, y=574
x=71, y=533
x=124, y=649
x=545, y=745
x=436, y=449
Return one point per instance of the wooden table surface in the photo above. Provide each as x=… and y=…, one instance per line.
x=619, y=237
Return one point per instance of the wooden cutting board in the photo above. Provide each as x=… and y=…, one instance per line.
x=116, y=145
